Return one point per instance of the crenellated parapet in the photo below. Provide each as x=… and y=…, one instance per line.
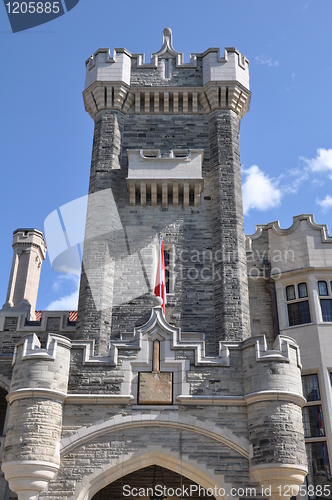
x=39, y=387
x=167, y=85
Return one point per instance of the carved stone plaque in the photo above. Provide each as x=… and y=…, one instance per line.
x=155, y=388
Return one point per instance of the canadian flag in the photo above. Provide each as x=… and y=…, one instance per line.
x=160, y=286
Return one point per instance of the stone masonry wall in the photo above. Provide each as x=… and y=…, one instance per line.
x=29, y=433
x=196, y=301
x=276, y=433
x=154, y=77
x=230, y=285
x=97, y=452
x=260, y=302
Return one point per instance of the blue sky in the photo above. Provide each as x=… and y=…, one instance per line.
x=46, y=135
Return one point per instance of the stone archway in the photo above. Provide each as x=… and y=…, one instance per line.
x=191, y=470
x=134, y=485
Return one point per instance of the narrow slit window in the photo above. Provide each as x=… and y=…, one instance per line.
x=169, y=267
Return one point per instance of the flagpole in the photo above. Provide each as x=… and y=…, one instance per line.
x=160, y=265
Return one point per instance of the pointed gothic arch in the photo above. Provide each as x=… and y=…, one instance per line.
x=115, y=424
x=199, y=473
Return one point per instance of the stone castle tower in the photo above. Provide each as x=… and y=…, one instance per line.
x=128, y=395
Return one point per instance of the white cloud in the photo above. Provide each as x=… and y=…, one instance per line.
x=295, y=176
x=64, y=281
x=69, y=298
x=259, y=191
x=66, y=303
x=322, y=162
x=325, y=204
x=265, y=60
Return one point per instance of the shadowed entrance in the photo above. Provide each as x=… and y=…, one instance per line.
x=134, y=485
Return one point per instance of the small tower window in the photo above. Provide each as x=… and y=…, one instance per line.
x=167, y=68
x=169, y=267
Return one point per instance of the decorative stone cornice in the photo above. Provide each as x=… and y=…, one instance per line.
x=227, y=95
x=99, y=399
x=292, y=397
x=36, y=393
x=107, y=95
x=178, y=174
x=211, y=400
x=166, y=100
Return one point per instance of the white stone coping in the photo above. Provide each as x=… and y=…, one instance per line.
x=258, y=396
x=157, y=328
x=176, y=167
x=11, y=312
x=99, y=398
x=303, y=271
x=156, y=418
x=275, y=227
x=211, y=400
x=277, y=465
x=280, y=351
x=176, y=155
x=36, y=392
x=32, y=347
x=102, y=399
x=60, y=396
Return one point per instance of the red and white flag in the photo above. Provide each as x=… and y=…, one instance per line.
x=160, y=286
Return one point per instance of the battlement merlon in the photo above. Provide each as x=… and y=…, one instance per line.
x=232, y=67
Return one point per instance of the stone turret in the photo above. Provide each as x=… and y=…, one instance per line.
x=273, y=393
x=29, y=253
x=38, y=390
